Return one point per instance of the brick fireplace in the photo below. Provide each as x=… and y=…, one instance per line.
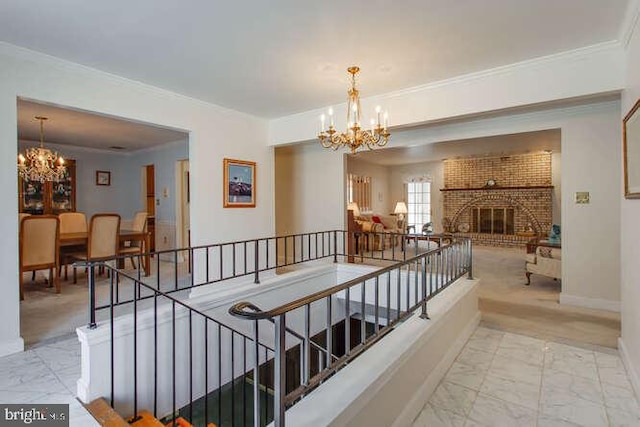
x=498, y=201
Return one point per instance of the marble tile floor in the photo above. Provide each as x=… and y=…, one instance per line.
x=45, y=374
x=498, y=379
x=505, y=379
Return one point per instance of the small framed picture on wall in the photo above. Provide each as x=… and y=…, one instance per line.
x=239, y=184
x=103, y=178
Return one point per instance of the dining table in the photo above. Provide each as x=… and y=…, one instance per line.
x=82, y=238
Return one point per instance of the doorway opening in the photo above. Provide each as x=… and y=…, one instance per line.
x=97, y=146
x=149, y=201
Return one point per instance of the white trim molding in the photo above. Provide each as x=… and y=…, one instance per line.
x=597, y=303
x=631, y=371
x=629, y=24
x=11, y=347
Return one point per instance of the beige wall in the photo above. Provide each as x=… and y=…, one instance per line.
x=630, y=248
x=309, y=189
x=381, y=202
x=591, y=233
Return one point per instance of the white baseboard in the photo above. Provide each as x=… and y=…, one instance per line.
x=11, y=347
x=597, y=303
x=631, y=371
x=420, y=398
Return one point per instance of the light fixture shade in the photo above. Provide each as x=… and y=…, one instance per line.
x=401, y=208
x=353, y=206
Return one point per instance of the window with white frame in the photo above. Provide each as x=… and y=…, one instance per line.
x=418, y=204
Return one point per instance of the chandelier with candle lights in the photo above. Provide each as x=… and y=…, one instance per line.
x=39, y=163
x=355, y=136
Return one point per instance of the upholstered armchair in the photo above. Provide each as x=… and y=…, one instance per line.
x=546, y=261
x=381, y=232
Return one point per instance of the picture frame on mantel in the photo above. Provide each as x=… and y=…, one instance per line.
x=103, y=178
x=631, y=152
x=239, y=184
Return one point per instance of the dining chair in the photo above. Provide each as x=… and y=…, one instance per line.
x=39, y=247
x=73, y=222
x=136, y=247
x=102, y=243
x=70, y=222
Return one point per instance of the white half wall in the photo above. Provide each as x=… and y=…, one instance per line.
x=389, y=385
x=214, y=133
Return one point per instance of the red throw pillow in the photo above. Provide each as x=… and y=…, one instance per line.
x=377, y=220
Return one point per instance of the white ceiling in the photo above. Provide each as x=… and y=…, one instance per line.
x=276, y=57
x=83, y=129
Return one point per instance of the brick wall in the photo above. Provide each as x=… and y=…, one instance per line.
x=523, y=183
x=507, y=171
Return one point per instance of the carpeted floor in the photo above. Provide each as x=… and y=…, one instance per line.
x=47, y=317
x=507, y=304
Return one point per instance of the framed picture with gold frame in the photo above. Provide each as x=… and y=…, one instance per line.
x=631, y=152
x=239, y=184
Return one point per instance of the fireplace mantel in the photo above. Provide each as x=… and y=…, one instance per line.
x=485, y=188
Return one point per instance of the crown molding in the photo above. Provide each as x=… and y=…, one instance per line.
x=630, y=23
x=504, y=69
x=25, y=54
x=293, y=128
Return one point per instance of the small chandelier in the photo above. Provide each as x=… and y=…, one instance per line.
x=355, y=136
x=39, y=163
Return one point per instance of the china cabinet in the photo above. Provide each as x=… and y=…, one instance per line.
x=49, y=197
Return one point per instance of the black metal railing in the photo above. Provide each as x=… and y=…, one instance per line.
x=210, y=264
x=177, y=359
x=386, y=297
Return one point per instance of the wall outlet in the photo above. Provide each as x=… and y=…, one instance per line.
x=157, y=202
x=164, y=240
